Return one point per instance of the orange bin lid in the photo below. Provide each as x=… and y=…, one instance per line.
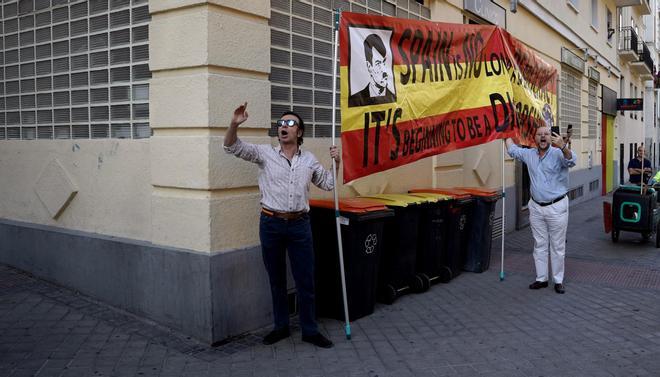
x=351, y=205
x=482, y=191
x=453, y=192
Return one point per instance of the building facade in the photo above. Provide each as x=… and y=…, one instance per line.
x=112, y=117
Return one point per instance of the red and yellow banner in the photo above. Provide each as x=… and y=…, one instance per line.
x=412, y=89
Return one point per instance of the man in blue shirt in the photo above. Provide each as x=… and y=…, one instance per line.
x=635, y=167
x=547, y=165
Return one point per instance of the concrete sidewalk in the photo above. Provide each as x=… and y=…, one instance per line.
x=607, y=324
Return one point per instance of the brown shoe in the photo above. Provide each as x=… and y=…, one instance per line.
x=538, y=285
x=559, y=288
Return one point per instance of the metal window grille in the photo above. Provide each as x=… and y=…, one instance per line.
x=74, y=69
x=575, y=193
x=594, y=185
x=570, y=102
x=593, y=110
x=301, y=56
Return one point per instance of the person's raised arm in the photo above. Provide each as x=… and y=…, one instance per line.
x=240, y=116
x=509, y=143
x=562, y=143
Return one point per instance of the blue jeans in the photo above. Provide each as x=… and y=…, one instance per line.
x=277, y=236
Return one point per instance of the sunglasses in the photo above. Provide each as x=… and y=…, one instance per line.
x=287, y=122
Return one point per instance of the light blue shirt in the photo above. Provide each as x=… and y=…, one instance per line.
x=548, y=174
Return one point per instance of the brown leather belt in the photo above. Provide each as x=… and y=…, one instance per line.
x=283, y=215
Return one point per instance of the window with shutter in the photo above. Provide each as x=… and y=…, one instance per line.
x=570, y=100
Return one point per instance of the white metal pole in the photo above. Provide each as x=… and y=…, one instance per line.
x=340, y=248
x=503, y=212
x=641, y=180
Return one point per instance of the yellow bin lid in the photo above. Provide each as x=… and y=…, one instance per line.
x=397, y=200
x=432, y=196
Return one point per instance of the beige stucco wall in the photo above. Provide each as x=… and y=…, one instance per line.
x=179, y=188
x=207, y=57
x=111, y=179
x=542, y=38
x=535, y=33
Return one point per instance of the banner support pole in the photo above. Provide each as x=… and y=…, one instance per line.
x=503, y=212
x=340, y=247
x=641, y=180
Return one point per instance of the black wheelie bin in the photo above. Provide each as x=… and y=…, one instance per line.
x=363, y=223
x=432, y=237
x=397, y=271
x=635, y=211
x=477, y=257
x=458, y=217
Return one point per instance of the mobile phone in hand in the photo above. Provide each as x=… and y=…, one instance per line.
x=554, y=130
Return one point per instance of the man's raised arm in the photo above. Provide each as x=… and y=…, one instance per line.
x=240, y=116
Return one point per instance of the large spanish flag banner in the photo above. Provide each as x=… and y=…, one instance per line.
x=412, y=89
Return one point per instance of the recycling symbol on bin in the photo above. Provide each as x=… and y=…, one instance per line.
x=491, y=218
x=462, y=222
x=370, y=243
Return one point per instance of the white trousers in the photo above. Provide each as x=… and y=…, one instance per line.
x=549, y=225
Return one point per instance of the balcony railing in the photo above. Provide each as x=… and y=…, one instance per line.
x=645, y=56
x=628, y=40
x=633, y=50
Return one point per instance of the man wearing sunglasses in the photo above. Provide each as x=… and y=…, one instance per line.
x=285, y=172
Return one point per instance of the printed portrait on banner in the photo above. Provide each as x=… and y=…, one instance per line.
x=370, y=75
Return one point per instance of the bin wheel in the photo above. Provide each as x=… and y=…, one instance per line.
x=417, y=283
x=423, y=282
x=445, y=274
x=646, y=236
x=388, y=294
x=615, y=235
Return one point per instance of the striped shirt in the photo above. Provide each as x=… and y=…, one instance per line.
x=284, y=184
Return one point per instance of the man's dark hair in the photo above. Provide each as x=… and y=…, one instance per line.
x=301, y=123
x=373, y=41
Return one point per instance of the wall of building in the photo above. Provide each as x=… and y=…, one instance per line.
x=96, y=186
x=602, y=55
x=204, y=199
x=174, y=204
x=170, y=286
